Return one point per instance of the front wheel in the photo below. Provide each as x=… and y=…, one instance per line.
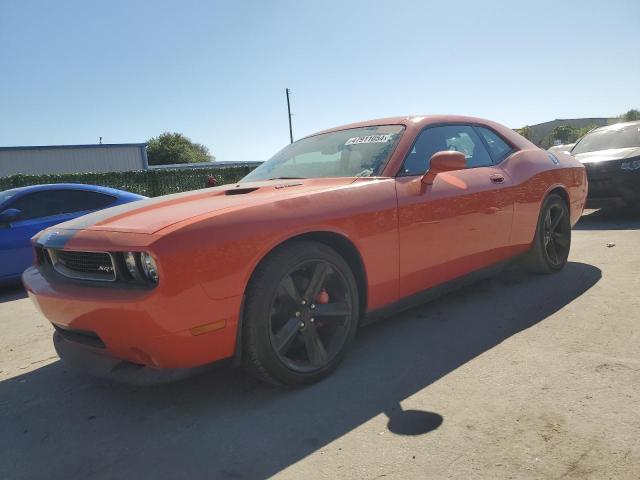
x=552, y=241
x=301, y=314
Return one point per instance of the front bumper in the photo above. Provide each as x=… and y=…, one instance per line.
x=99, y=364
x=612, y=186
x=157, y=328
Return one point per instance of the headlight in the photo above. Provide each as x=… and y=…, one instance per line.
x=132, y=266
x=141, y=267
x=149, y=267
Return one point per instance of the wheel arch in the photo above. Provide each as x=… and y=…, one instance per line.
x=557, y=189
x=537, y=202
x=561, y=191
x=338, y=242
x=533, y=258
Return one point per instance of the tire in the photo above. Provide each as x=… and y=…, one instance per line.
x=552, y=242
x=301, y=294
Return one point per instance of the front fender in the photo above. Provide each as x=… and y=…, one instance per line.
x=223, y=251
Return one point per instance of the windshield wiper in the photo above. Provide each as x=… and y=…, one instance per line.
x=287, y=178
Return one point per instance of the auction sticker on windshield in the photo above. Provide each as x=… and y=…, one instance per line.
x=369, y=139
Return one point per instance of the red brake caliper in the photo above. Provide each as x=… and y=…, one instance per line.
x=321, y=299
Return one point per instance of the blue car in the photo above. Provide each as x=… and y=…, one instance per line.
x=27, y=210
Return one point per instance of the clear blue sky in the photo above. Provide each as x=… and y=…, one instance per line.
x=71, y=71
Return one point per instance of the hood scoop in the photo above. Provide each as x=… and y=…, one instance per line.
x=240, y=191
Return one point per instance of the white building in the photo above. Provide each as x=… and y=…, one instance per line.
x=116, y=157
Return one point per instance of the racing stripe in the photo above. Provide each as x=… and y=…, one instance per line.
x=106, y=215
x=54, y=238
x=101, y=215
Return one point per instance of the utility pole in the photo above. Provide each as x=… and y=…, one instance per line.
x=289, y=111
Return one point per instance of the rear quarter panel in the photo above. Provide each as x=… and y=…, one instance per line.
x=534, y=175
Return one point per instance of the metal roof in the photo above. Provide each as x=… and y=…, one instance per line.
x=91, y=145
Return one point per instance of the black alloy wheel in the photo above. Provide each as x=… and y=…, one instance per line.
x=557, y=235
x=301, y=314
x=552, y=242
x=310, y=316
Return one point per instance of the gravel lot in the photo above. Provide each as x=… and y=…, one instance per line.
x=519, y=376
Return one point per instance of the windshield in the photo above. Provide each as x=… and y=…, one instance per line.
x=623, y=137
x=356, y=152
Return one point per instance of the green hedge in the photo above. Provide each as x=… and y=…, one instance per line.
x=145, y=182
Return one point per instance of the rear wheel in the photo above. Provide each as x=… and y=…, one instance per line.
x=300, y=314
x=552, y=242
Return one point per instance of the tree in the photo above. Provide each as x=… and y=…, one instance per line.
x=578, y=133
x=562, y=133
x=170, y=148
x=568, y=134
x=525, y=132
x=631, y=115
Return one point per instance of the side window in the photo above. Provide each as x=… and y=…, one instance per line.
x=498, y=148
x=56, y=202
x=78, y=200
x=461, y=138
x=33, y=205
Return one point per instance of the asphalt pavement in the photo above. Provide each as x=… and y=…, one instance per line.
x=518, y=376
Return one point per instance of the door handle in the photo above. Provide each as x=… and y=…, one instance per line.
x=497, y=178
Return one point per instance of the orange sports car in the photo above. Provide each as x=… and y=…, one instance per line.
x=278, y=271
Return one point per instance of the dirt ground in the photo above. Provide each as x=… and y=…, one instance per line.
x=519, y=376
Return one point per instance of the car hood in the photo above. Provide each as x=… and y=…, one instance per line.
x=152, y=215
x=605, y=155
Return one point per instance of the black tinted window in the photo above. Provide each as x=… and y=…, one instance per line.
x=56, y=202
x=460, y=138
x=498, y=148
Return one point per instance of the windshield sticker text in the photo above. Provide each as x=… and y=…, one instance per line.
x=369, y=139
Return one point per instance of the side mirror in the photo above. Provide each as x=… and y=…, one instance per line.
x=9, y=215
x=445, y=161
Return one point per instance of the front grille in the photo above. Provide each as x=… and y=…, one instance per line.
x=83, y=265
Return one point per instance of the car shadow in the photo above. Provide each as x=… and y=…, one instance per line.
x=59, y=424
x=610, y=219
x=12, y=291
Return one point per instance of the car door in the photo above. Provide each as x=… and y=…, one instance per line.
x=39, y=210
x=460, y=223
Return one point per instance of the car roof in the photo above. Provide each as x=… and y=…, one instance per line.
x=415, y=120
x=71, y=186
x=418, y=122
